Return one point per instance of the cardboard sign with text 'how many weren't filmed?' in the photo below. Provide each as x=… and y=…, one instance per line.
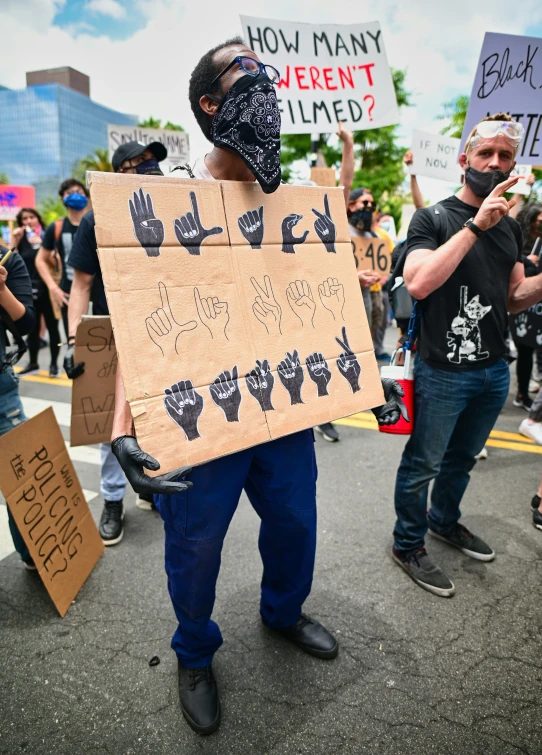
x=93, y=392
x=237, y=315
x=47, y=503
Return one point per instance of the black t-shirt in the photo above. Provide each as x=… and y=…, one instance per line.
x=20, y=285
x=84, y=257
x=28, y=253
x=464, y=321
x=64, y=247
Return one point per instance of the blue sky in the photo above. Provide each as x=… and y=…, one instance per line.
x=116, y=19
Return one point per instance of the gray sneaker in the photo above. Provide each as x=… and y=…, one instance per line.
x=423, y=571
x=467, y=543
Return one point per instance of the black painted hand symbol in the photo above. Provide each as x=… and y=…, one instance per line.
x=348, y=363
x=148, y=230
x=213, y=314
x=394, y=408
x=189, y=230
x=301, y=302
x=332, y=297
x=251, y=226
x=226, y=394
x=184, y=405
x=260, y=382
x=325, y=227
x=288, y=238
x=291, y=376
x=266, y=308
x=163, y=328
x=319, y=372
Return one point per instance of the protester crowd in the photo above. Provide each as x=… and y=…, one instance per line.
x=466, y=267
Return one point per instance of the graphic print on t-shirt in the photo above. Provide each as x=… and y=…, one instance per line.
x=67, y=241
x=464, y=337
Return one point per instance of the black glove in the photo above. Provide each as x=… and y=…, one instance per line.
x=325, y=227
x=251, y=226
x=148, y=230
x=72, y=370
x=288, y=238
x=394, y=408
x=133, y=460
x=291, y=376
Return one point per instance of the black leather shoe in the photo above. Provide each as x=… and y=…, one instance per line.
x=311, y=637
x=199, y=698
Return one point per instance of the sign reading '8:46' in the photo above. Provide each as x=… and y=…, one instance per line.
x=372, y=253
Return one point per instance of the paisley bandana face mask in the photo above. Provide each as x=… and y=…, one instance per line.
x=248, y=123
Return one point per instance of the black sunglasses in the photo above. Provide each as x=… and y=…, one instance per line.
x=250, y=67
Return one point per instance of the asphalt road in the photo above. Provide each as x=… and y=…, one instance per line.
x=415, y=674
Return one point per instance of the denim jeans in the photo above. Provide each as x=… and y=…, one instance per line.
x=454, y=414
x=112, y=479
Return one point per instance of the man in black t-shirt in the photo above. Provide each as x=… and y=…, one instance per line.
x=464, y=268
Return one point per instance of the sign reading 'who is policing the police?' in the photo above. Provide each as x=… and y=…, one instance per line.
x=176, y=142
x=328, y=73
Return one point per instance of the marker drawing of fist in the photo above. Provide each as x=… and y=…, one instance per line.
x=266, y=308
x=251, y=226
x=288, y=238
x=148, y=230
x=332, y=297
x=163, y=328
x=319, y=372
x=301, y=301
x=189, y=230
x=225, y=393
x=291, y=376
x=260, y=382
x=184, y=405
x=213, y=314
x=348, y=363
x=325, y=227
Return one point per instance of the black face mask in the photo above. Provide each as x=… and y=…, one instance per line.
x=482, y=184
x=361, y=219
x=248, y=123
x=149, y=168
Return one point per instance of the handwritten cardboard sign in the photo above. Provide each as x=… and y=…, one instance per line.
x=93, y=393
x=46, y=500
x=176, y=142
x=522, y=187
x=372, y=254
x=435, y=156
x=237, y=314
x=329, y=73
x=509, y=79
x=323, y=176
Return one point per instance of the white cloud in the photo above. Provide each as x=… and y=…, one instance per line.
x=110, y=8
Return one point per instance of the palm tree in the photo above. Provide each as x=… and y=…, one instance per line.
x=98, y=160
x=455, y=112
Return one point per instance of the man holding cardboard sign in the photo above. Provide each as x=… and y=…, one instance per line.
x=220, y=290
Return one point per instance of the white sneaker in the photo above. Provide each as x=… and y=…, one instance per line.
x=534, y=387
x=482, y=455
x=532, y=430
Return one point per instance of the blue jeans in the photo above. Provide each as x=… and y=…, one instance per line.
x=279, y=478
x=11, y=415
x=112, y=479
x=454, y=414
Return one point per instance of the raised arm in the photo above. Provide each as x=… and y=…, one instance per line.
x=346, y=178
x=417, y=198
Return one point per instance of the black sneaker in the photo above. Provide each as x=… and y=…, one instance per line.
x=145, y=501
x=198, y=694
x=111, y=527
x=424, y=572
x=30, y=369
x=535, y=503
x=537, y=519
x=328, y=432
x=523, y=402
x=53, y=371
x=469, y=544
x=30, y=565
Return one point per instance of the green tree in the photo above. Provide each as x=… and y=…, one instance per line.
x=151, y=122
x=98, y=160
x=50, y=209
x=455, y=112
x=4, y=178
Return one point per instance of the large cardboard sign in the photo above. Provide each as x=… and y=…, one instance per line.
x=14, y=198
x=329, y=73
x=46, y=500
x=509, y=79
x=435, y=156
x=176, y=142
x=93, y=392
x=237, y=315
x=372, y=254
x=323, y=176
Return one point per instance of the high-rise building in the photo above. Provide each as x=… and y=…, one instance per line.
x=49, y=126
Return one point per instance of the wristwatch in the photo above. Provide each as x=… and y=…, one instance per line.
x=471, y=225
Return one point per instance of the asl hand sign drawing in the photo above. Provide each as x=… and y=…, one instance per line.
x=163, y=328
x=225, y=393
x=301, y=301
x=291, y=376
x=184, y=405
x=266, y=308
x=288, y=238
x=189, y=230
x=260, y=382
x=213, y=314
x=348, y=363
x=251, y=226
x=319, y=372
x=325, y=227
x=332, y=297
x=148, y=230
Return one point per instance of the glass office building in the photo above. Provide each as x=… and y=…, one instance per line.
x=46, y=130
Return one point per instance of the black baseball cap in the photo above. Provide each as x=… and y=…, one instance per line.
x=129, y=150
x=355, y=193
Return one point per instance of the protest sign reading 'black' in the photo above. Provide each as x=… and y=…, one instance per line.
x=509, y=79
x=328, y=73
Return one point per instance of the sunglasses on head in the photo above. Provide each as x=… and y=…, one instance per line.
x=250, y=67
